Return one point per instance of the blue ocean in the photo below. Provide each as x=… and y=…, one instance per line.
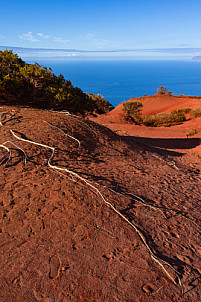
x=117, y=81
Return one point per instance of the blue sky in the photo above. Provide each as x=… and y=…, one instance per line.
x=143, y=27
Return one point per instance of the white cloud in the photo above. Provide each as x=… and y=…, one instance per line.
x=57, y=39
x=43, y=36
x=29, y=37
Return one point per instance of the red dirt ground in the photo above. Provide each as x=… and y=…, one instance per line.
x=149, y=135
x=60, y=241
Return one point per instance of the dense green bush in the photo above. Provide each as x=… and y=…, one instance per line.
x=163, y=91
x=164, y=119
x=37, y=86
x=132, y=111
x=100, y=104
x=150, y=121
x=185, y=110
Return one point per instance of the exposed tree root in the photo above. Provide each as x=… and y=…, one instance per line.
x=135, y=198
x=89, y=184
x=169, y=163
x=6, y=113
x=10, y=154
x=64, y=133
x=160, y=262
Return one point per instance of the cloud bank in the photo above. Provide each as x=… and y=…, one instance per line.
x=181, y=53
x=29, y=36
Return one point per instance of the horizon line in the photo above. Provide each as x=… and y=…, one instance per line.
x=171, y=49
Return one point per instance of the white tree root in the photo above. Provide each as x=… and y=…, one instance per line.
x=169, y=163
x=66, y=134
x=6, y=113
x=135, y=198
x=142, y=202
x=8, y=151
x=160, y=262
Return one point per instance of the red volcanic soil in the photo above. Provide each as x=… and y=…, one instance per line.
x=172, y=137
x=156, y=104
x=114, y=219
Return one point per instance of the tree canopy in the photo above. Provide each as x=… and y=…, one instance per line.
x=101, y=105
x=37, y=86
x=132, y=111
x=163, y=90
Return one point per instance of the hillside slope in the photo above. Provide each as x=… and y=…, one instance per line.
x=103, y=231
x=163, y=137
x=155, y=104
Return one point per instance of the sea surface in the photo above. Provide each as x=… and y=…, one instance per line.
x=117, y=81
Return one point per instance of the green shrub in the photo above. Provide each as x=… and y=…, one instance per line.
x=191, y=132
x=195, y=112
x=100, y=104
x=149, y=121
x=177, y=117
x=164, y=119
x=132, y=111
x=163, y=91
x=37, y=86
x=185, y=110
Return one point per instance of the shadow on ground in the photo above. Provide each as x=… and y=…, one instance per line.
x=169, y=143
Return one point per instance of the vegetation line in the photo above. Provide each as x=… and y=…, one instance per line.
x=36, y=86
